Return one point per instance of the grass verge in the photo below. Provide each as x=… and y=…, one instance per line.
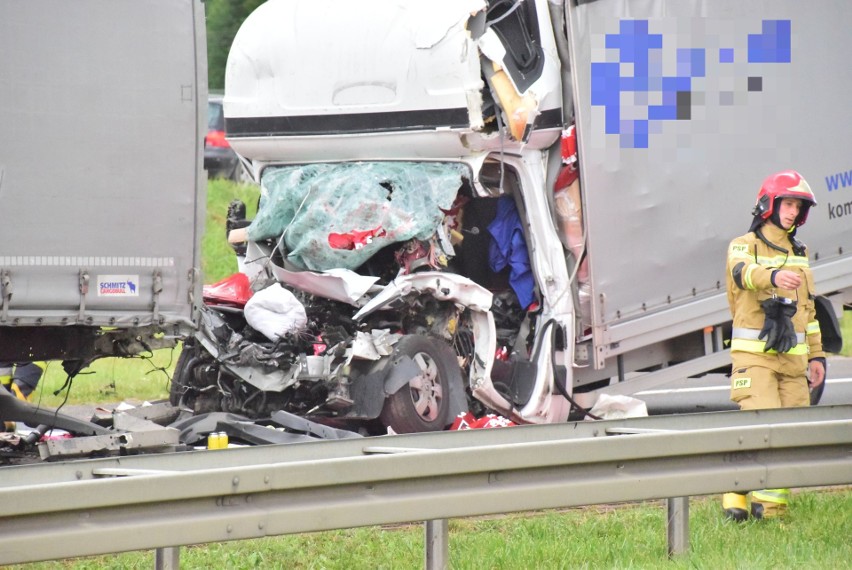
x=132, y=380
x=846, y=333
x=147, y=377
x=217, y=258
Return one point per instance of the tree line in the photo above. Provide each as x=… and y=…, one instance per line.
x=224, y=18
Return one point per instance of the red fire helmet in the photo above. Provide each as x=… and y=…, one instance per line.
x=784, y=184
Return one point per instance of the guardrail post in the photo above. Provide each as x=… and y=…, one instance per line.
x=167, y=558
x=437, y=545
x=677, y=527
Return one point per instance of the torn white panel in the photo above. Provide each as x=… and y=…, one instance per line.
x=442, y=286
x=399, y=79
x=439, y=18
x=337, y=284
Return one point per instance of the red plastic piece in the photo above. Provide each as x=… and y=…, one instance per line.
x=233, y=291
x=355, y=239
x=467, y=420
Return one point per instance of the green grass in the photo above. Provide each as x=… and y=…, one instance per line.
x=217, y=258
x=846, y=333
x=132, y=380
x=147, y=377
x=815, y=536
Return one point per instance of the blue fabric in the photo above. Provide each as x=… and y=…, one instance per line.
x=509, y=248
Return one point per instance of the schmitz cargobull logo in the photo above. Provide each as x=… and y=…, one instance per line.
x=118, y=285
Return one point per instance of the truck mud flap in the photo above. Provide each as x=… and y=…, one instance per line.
x=832, y=339
x=386, y=378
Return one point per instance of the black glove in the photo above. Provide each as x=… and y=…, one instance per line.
x=778, y=327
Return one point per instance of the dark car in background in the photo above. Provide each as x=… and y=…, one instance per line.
x=220, y=160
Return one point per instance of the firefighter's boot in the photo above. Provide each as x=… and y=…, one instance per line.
x=735, y=506
x=769, y=503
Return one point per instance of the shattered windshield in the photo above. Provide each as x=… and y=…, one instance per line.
x=340, y=215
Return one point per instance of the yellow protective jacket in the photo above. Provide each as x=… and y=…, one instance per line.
x=751, y=263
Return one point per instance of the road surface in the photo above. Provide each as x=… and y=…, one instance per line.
x=711, y=392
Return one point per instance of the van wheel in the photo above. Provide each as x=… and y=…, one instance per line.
x=180, y=378
x=187, y=389
x=423, y=404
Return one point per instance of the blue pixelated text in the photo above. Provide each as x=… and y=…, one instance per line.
x=639, y=70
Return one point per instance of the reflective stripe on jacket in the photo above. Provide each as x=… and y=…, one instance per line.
x=747, y=340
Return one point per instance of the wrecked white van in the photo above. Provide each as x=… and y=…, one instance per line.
x=382, y=215
x=421, y=200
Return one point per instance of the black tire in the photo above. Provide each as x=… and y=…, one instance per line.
x=424, y=404
x=181, y=379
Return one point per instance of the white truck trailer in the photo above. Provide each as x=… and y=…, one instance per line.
x=102, y=118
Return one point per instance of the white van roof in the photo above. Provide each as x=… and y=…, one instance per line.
x=320, y=80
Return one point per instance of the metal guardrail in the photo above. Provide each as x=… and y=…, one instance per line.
x=141, y=502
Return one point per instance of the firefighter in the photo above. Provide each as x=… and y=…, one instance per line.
x=776, y=346
x=21, y=378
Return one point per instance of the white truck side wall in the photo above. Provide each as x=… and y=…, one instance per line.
x=728, y=93
x=102, y=118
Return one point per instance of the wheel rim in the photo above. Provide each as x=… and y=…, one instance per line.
x=426, y=390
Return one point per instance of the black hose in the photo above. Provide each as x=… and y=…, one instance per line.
x=34, y=436
x=562, y=387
